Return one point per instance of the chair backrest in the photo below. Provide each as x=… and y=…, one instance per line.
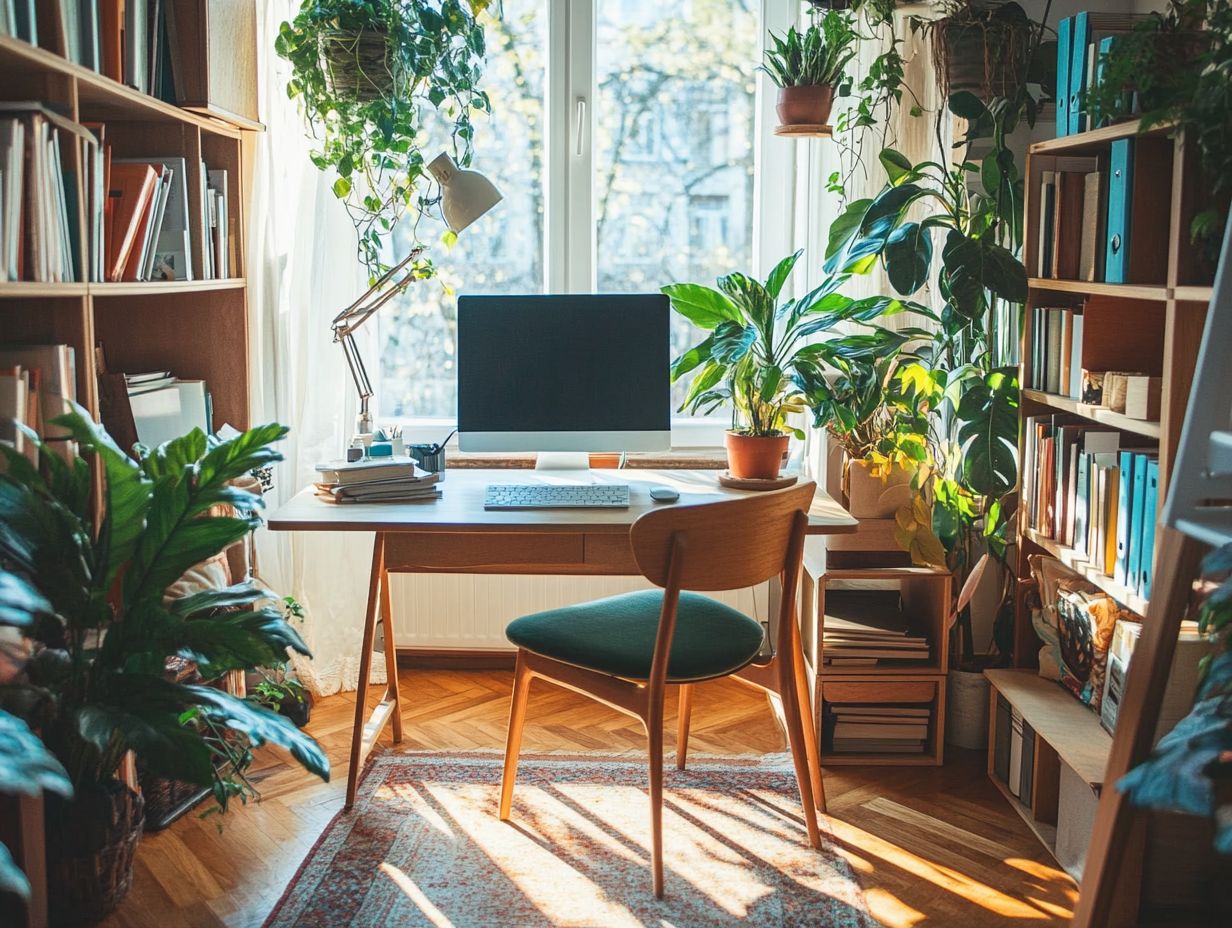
x=728, y=545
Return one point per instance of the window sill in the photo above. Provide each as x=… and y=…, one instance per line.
x=688, y=459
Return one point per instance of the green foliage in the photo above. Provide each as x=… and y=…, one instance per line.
x=1176, y=66
x=373, y=142
x=815, y=57
x=94, y=685
x=1190, y=767
x=26, y=766
x=759, y=357
x=960, y=226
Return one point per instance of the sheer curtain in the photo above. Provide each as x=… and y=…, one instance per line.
x=302, y=270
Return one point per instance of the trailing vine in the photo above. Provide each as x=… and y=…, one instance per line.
x=366, y=74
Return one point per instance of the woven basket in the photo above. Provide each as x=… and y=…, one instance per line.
x=84, y=888
x=357, y=65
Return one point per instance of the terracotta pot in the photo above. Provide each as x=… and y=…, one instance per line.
x=755, y=457
x=805, y=106
x=870, y=497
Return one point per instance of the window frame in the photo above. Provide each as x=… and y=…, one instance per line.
x=570, y=246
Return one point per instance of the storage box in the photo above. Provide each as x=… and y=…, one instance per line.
x=1142, y=395
x=1076, y=805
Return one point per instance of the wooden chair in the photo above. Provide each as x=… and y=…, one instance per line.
x=624, y=651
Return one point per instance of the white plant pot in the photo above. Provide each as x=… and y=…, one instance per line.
x=966, y=709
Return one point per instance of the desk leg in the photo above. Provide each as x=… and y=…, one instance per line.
x=367, y=731
x=391, y=657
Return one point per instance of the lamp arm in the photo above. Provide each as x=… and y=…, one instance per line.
x=343, y=324
x=359, y=374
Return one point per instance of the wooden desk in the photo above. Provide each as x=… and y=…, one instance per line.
x=455, y=534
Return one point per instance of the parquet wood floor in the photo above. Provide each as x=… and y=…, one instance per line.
x=937, y=847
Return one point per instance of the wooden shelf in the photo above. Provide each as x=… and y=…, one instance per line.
x=1115, y=420
x=1078, y=563
x=1046, y=833
x=102, y=98
x=1084, y=142
x=1193, y=294
x=1097, y=288
x=1069, y=727
x=169, y=287
x=28, y=290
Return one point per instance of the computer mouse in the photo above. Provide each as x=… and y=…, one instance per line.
x=664, y=494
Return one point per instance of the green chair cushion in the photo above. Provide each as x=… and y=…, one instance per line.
x=616, y=635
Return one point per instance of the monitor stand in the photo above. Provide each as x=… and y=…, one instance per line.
x=562, y=460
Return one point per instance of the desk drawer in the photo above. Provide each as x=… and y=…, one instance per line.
x=483, y=552
x=610, y=554
x=889, y=691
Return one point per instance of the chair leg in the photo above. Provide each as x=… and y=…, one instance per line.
x=654, y=730
x=812, y=748
x=513, y=740
x=799, y=752
x=684, y=715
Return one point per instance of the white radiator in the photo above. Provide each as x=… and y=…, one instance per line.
x=469, y=611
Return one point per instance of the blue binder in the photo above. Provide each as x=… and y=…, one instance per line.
x=1080, y=39
x=1063, y=88
x=1120, y=178
x=1126, y=460
x=1138, y=521
x=1082, y=503
x=1105, y=49
x=1149, y=528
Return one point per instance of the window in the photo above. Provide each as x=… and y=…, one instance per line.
x=623, y=170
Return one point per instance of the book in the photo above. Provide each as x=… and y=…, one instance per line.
x=1092, y=228
x=1047, y=223
x=406, y=495
x=15, y=411
x=1150, y=505
x=874, y=746
x=130, y=190
x=367, y=469
x=167, y=413
x=881, y=730
x=1075, y=359
x=219, y=222
x=882, y=709
x=171, y=257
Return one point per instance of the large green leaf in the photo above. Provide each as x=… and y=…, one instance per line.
x=751, y=296
x=908, y=257
x=696, y=355
x=12, y=879
x=842, y=230
x=20, y=603
x=782, y=271
x=702, y=306
x=27, y=768
x=709, y=375
x=231, y=597
x=988, y=433
x=127, y=494
x=732, y=342
x=235, y=640
x=260, y=726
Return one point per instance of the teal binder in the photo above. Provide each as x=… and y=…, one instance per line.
x=1105, y=49
x=1137, y=521
x=1125, y=515
x=1120, y=177
x=1150, y=502
x=1080, y=39
x=1063, y=88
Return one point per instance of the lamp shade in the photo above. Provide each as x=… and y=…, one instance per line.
x=465, y=195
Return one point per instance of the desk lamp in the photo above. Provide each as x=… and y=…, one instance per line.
x=465, y=196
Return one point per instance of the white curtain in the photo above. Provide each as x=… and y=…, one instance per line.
x=302, y=269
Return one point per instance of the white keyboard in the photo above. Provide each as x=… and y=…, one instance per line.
x=549, y=496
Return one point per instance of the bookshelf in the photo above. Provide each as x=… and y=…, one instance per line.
x=1152, y=324
x=198, y=329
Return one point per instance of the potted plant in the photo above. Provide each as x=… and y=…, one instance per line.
x=982, y=47
x=964, y=381
x=807, y=67
x=759, y=358
x=94, y=685
x=879, y=436
x=366, y=75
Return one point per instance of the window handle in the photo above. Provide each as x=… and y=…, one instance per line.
x=581, y=123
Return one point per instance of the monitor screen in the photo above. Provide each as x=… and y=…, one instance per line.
x=574, y=372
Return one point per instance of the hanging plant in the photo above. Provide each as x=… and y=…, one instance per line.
x=367, y=74
x=982, y=47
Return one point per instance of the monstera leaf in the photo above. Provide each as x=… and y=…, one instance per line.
x=988, y=413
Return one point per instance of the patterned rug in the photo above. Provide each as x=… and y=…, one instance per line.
x=423, y=846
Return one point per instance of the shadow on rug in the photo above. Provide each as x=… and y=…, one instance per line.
x=423, y=846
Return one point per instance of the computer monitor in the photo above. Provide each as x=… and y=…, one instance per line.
x=574, y=373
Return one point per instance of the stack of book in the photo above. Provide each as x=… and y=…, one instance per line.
x=1072, y=218
x=35, y=383
x=1082, y=489
x=863, y=628
x=878, y=728
x=376, y=480
x=1056, y=351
